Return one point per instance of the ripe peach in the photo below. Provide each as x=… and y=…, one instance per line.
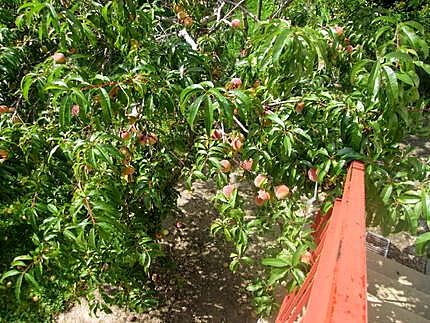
x=262, y=197
x=5, y=109
x=75, y=110
x=124, y=135
x=113, y=92
x=128, y=170
x=247, y=164
x=281, y=192
x=313, y=174
x=260, y=180
x=3, y=155
x=300, y=106
x=235, y=23
x=150, y=139
x=216, y=134
x=59, y=58
x=236, y=144
x=187, y=22
x=228, y=190
x=349, y=49
x=338, y=30
x=235, y=83
x=225, y=166
x=306, y=258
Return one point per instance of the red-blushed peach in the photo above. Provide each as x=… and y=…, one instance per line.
x=125, y=135
x=59, y=58
x=228, y=190
x=306, y=258
x=128, y=170
x=75, y=110
x=235, y=83
x=236, y=144
x=216, y=134
x=247, y=164
x=313, y=174
x=281, y=192
x=300, y=106
x=149, y=139
x=338, y=30
x=262, y=197
x=235, y=23
x=6, y=109
x=225, y=166
x=4, y=154
x=260, y=180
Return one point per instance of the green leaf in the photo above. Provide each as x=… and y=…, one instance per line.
x=386, y=193
x=224, y=103
x=106, y=106
x=423, y=243
x=275, y=262
x=276, y=274
x=185, y=94
x=425, y=201
x=274, y=117
x=29, y=277
x=408, y=199
x=23, y=257
x=425, y=67
x=410, y=35
x=381, y=31
x=374, y=81
x=287, y=145
x=26, y=84
x=18, y=287
x=65, y=112
x=8, y=274
x=398, y=56
x=393, y=87
x=405, y=78
x=279, y=45
x=209, y=115
x=194, y=108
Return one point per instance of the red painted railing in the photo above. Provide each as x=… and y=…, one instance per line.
x=335, y=289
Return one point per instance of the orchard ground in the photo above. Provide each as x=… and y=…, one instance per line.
x=198, y=285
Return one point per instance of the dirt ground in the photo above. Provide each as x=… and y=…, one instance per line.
x=200, y=288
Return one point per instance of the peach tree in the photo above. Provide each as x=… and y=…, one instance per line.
x=302, y=104
x=105, y=104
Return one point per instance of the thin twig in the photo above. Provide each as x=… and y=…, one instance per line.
x=219, y=11
x=240, y=124
x=281, y=7
x=224, y=19
x=274, y=104
x=184, y=33
x=244, y=10
x=90, y=211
